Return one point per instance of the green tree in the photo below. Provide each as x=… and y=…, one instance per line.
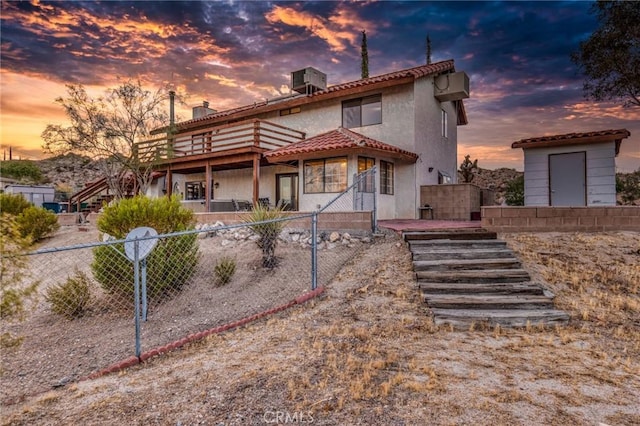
x=467, y=168
x=610, y=57
x=514, y=195
x=364, y=53
x=108, y=128
x=22, y=170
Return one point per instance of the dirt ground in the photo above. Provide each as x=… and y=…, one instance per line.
x=367, y=353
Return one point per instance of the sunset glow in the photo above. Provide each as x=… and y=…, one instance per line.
x=236, y=53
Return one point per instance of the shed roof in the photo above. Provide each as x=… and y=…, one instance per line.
x=600, y=136
x=336, y=141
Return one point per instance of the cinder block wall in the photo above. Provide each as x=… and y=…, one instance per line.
x=571, y=219
x=453, y=201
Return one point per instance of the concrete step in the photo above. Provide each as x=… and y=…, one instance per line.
x=479, y=234
x=483, y=288
x=507, y=317
x=474, y=276
x=465, y=264
x=487, y=302
x=424, y=254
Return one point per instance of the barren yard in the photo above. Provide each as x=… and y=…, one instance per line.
x=367, y=353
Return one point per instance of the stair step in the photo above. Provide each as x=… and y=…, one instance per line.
x=456, y=244
x=465, y=264
x=474, y=276
x=446, y=235
x=483, y=288
x=506, y=317
x=487, y=302
x=444, y=254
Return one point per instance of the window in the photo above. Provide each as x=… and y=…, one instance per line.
x=364, y=164
x=443, y=178
x=444, y=124
x=194, y=191
x=362, y=112
x=289, y=111
x=326, y=175
x=386, y=177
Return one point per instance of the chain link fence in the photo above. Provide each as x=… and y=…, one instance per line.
x=102, y=302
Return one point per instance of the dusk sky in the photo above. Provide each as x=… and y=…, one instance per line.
x=233, y=53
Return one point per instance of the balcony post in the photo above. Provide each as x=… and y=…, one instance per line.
x=208, y=187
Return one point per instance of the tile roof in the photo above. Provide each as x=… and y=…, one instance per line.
x=331, y=91
x=337, y=140
x=599, y=136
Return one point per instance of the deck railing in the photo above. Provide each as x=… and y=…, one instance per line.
x=245, y=134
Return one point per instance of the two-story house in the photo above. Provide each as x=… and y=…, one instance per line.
x=301, y=150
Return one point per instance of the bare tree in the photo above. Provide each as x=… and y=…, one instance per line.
x=108, y=127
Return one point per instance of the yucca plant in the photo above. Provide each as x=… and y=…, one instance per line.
x=264, y=222
x=224, y=270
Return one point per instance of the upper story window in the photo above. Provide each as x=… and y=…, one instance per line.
x=445, y=121
x=325, y=175
x=289, y=111
x=362, y=112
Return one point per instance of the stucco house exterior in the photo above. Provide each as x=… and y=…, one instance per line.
x=574, y=169
x=300, y=150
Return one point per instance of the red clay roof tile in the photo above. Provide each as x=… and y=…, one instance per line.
x=339, y=139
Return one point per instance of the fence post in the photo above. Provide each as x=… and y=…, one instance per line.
x=314, y=250
x=136, y=292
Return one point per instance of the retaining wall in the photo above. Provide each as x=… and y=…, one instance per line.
x=571, y=219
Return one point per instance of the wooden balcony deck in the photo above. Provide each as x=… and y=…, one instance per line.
x=232, y=137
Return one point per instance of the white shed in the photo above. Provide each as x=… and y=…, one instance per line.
x=574, y=169
x=35, y=194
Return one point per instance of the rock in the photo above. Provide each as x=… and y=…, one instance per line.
x=333, y=237
x=225, y=243
x=295, y=237
x=346, y=236
x=218, y=224
x=366, y=240
x=330, y=246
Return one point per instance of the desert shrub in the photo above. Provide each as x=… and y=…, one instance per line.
x=13, y=204
x=224, y=270
x=264, y=222
x=164, y=214
x=71, y=298
x=171, y=263
x=628, y=186
x=16, y=292
x=468, y=168
x=37, y=223
x=23, y=170
x=514, y=194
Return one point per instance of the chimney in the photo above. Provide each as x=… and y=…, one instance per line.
x=202, y=110
x=205, y=104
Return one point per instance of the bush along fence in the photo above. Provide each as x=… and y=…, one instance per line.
x=133, y=292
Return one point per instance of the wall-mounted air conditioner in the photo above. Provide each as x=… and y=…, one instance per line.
x=308, y=80
x=451, y=87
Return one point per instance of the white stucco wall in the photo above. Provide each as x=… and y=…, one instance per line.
x=600, y=178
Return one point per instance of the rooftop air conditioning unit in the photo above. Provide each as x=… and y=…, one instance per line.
x=451, y=87
x=308, y=80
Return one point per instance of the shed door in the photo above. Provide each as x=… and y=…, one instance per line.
x=567, y=179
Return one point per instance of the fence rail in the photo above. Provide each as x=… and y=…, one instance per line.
x=149, y=291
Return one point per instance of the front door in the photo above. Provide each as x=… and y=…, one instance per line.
x=567, y=179
x=287, y=191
